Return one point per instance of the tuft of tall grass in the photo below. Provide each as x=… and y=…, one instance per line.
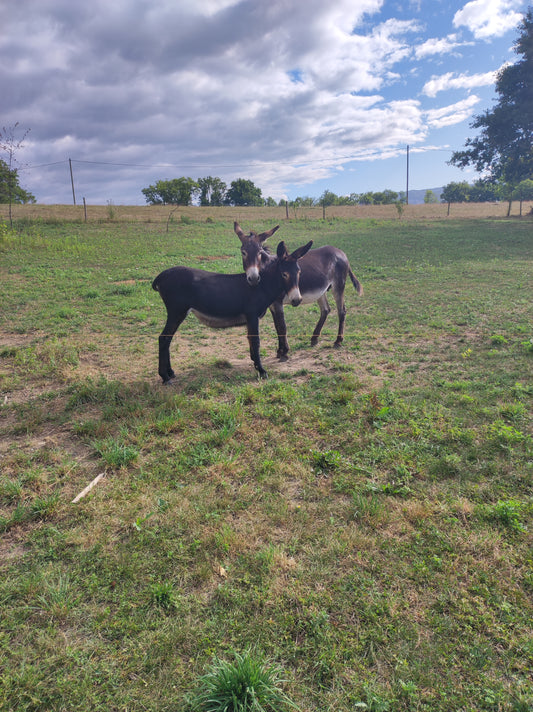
x=249, y=683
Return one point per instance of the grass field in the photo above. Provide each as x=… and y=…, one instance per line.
x=363, y=518
x=164, y=214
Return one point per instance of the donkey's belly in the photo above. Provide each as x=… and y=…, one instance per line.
x=216, y=322
x=308, y=297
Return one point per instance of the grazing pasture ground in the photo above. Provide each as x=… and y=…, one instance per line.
x=363, y=518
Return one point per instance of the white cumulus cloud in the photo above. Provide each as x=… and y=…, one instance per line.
x=489, y=18
x=452, y=114
x=437, y=46
x=450, y=80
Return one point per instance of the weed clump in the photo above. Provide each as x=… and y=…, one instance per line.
x=248, y=683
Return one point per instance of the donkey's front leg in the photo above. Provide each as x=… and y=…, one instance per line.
x=253, y=340
x=278, y=314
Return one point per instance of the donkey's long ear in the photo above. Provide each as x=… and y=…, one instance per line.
x=282, y=251
x=301, y=251
x=238, y=231
x=265, y=235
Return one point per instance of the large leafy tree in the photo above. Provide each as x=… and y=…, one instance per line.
x=212, y=191
x=504, y=148
x=178, y=191
x=10, y=190
x=243, y=192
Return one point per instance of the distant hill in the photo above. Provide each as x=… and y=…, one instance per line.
x=416, y=197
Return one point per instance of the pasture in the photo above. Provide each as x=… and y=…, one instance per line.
x=363, y=517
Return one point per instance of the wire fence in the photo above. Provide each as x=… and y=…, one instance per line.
x=170, y=215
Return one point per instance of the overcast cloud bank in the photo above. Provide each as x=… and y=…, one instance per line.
x=288, y=94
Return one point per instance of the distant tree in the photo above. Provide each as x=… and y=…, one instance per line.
x=378, y=197
x=455, y=193
x=212, y=191
x=270, y=202
x=326, y=199
x=483, y=191
x=384, y=197
x=523, y=191
x=305, y=202
x=178, y=191
x=9, y=144
x=366, y=199
x=343, y=200
x=506, y=192
x=504, y=147
x=243, y=192
x=430, y=197
x=389, y=197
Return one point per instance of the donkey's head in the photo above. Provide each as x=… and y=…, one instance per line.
x=289, y=269
x=253, y=254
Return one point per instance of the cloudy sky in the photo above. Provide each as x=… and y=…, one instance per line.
x=298, y=96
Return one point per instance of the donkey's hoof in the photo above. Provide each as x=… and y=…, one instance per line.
x=168, y=382
x=262, y=375
x=283, y=357
x=337, y=344
x=314, y=341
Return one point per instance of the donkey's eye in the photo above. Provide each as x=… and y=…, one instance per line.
x=243, y=253
x=285, y=275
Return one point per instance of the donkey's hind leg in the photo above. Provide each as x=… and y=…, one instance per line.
x=338, y=293
x=325, y=309
x=165, y=369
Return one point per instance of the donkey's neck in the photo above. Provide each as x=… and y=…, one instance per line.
x=271, y=281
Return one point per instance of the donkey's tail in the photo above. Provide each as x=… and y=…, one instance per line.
x=356, y=283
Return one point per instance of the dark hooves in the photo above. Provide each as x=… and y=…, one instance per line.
x=337, y=344
x=283, y=357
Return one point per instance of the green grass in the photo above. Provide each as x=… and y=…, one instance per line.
x=362, y=519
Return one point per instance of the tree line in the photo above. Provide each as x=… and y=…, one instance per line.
x=214, y=192
x=485, y=191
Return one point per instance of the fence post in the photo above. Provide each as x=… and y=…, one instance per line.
x=72, y=181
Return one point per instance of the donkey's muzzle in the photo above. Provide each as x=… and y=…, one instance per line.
x=253, y=278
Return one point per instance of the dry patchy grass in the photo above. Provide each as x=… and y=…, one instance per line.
x=364, y=516
x=160, y=214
